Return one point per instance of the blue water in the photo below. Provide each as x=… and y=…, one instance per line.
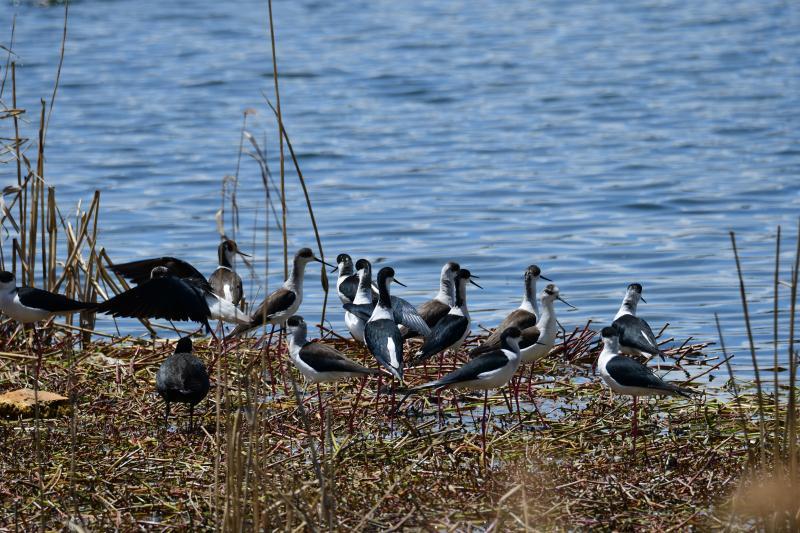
x=608, y=142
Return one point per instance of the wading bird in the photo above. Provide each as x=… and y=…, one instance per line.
x=627, y=376
x=227, y=284
x=28, y=304
x=284, y=302
x=524, y=316
x=182, y=378
x=635, y=335
x=453, y=328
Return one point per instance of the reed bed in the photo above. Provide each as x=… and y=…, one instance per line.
x=113, y=464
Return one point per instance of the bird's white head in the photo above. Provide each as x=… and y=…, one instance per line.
x=550, y=294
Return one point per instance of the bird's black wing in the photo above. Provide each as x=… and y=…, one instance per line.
x=56, y=303
x=530, y=336
x=433, y=311
x=631, y=373
x=349, y=286
x=139, y=271
x=362, y=311
x=378, y=336
x=636, y=333
x=487, y=362
x=276, y=302
x=518, y=318
x=444, y=334
x=169, y=298
x=324, y=358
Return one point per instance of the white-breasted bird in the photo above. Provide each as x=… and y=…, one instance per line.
x=355, y=322
x=627, y=376
x=318, y=362
x=28, y=304
x=382, y=337
x=284, y=302
x=227, y=284
x=439, y=306
x=524, y=316
x=403, y=312
x=635, y=335
x=453, y=328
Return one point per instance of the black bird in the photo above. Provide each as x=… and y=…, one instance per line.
x=318, y=362
x=627, y=376
x=28, y=304
x=381, y=334
x=225, y=282
x=171, y=297
x=284, y=302
x=182, y=378
x=453, y=328
x=523, y=317
x=635, y=335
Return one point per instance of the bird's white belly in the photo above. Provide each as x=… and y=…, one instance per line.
x=491, y=380
x=21, y=313
x=536, y=351
x=227, y=312
x=355, y=325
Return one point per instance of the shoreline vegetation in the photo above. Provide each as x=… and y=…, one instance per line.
x=265, y=457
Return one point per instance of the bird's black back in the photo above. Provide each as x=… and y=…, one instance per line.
x=40, y=299
x=182, y=377
x=634, y=332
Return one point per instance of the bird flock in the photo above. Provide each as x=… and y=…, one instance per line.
x=172, y=289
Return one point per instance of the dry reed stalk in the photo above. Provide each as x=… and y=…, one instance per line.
x=280, y=141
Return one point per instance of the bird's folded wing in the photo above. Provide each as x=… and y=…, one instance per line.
x=406, y=314
x=636, y=333
x=39, y=299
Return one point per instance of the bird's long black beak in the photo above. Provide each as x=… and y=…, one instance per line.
x=401, y=284
x=545, y=278
x=470, y=280
x=566, y=302
x=324, y=263
x=243, y=254
x=334, y=269
x=642, y=299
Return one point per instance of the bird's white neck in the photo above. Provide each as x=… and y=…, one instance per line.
x=628, y=307
x=296, y=341
x=512, y=350
x=547, y=319
x=529, y=302
x=364, y=292
x=446, y=294
x=610, y=350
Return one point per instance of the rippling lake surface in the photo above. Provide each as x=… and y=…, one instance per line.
x=607, y=142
